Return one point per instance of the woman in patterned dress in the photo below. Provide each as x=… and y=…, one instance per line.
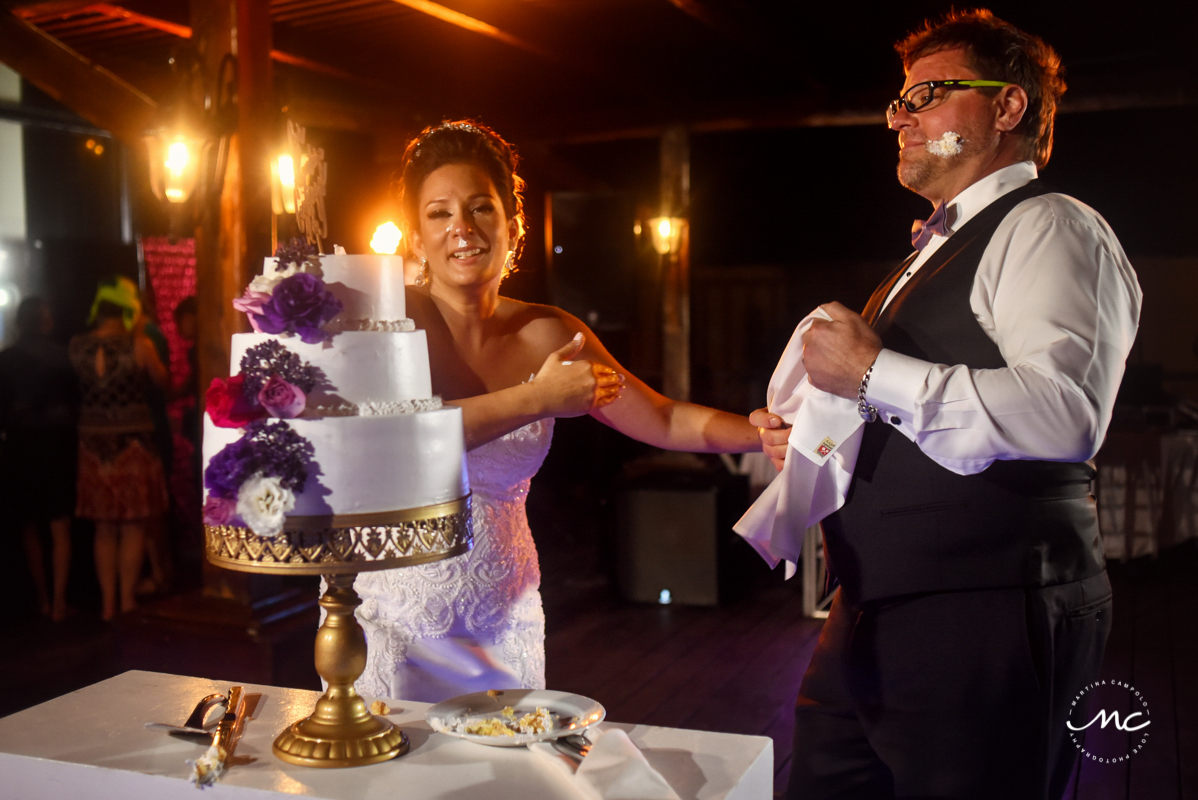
x=121, y=478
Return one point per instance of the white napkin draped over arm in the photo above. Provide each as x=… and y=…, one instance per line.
x=826, y=430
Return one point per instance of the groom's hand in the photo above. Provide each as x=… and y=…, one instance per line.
x=836, y=354
x=774, y=433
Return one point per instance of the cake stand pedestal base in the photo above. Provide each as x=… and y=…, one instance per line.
x=341, y=731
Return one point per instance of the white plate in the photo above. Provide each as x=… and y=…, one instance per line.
x=581, y=713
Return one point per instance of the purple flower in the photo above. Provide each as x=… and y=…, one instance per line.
x=220, y=511
x=281, y=452
x=229, y=468
x=300, y=304
x=281, y=399
x=272, y=358
x=297, y=251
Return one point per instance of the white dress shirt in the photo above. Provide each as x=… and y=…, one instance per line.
x=1057, y=295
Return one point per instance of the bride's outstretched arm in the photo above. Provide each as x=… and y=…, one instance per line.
x=563, y=387
x=653, y=418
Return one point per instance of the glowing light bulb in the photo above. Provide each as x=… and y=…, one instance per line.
x=177, y=156
x=178, y=174
x=287, y=171
x=386, y=239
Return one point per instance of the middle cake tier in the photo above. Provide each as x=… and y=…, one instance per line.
x=359, y=366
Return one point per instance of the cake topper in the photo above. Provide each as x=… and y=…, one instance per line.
x=309, y=184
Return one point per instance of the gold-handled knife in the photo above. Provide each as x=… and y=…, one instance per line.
x=207, y=768
x=225, y=737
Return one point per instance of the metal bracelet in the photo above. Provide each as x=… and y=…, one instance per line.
x=868, y=413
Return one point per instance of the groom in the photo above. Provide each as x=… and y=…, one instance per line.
x=973, y=601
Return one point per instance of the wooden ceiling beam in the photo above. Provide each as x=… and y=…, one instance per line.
x=121, y=15
x=117, y=12
x=51, y=8
x=457, y=18
x=298, y=13
x=325, y=69
x=78, y=83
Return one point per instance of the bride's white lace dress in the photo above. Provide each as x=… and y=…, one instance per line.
x=474, y=622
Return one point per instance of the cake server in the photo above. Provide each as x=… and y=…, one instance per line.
x=193, y=728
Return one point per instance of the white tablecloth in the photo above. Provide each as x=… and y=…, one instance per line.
x=92, y=743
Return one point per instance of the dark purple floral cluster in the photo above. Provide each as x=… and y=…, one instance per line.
x=296, y=251
x=301, y=305
x=262, y=361
x=269, y=447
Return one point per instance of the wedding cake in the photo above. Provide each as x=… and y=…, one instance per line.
x=326, y=446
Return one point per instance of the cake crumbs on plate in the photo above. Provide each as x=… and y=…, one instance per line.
x=506, y=724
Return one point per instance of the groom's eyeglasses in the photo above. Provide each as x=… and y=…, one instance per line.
x=922, y=95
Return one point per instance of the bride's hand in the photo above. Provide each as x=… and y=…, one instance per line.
x=569, y=388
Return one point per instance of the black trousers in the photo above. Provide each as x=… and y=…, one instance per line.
x=953, y=695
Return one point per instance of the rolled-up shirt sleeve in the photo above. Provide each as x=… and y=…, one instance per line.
x=1057, y=295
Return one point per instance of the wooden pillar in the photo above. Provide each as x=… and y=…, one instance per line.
x=233, y=232
x=676, y=323
x=257, y=130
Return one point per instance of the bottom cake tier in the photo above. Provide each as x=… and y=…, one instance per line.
x=372, y=464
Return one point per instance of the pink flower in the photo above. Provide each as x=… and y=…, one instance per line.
x=250, y=303
x=282, y=399
x=227, y=405
x=220, y=510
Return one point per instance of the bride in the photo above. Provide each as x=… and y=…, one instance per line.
x=475, y=622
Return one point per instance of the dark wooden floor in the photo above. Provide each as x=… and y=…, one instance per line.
x=734, y=668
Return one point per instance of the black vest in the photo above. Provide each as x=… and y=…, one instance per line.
x=909, y=525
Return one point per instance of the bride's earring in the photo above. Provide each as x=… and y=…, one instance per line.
x=422, y=277
x=509, y=266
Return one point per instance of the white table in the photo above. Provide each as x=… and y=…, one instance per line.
x=92, y=743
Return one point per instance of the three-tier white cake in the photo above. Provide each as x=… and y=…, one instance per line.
x=386, y=473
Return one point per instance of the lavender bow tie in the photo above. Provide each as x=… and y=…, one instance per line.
x=921, y=232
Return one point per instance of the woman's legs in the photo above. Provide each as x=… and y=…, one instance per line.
x=107, y=539
x=37, y=565
x=60, y=559
x=133, y=553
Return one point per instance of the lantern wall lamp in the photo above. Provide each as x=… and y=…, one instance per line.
x=189, y=149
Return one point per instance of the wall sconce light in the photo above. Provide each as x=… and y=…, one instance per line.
x=666, y=233
x=174, y=164
x=188, y=151
x=386, y=239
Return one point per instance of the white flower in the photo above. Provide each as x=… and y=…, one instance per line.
x=262, y=502
x=265, y=283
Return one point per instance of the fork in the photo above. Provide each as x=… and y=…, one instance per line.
x=576, y=744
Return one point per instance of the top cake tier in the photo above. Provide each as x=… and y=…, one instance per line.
x=370, y=287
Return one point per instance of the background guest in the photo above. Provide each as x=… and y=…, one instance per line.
x=121, y=478
x=38, y=400
x=158, y=544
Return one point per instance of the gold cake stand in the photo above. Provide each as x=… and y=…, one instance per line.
x=341, y=731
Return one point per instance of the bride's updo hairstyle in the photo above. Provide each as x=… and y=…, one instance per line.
x=462, y=142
